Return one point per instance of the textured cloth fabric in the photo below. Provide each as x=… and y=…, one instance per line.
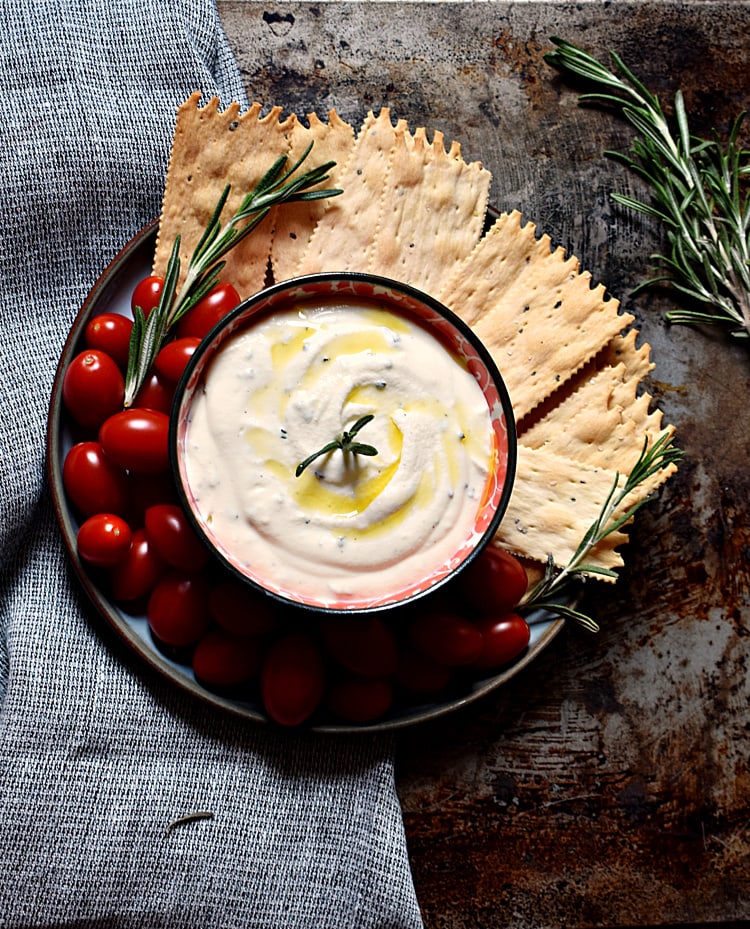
x=98, y=754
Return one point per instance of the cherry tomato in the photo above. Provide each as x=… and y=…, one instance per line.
x=137, y=440
x=420, y=674
x=177, y=609
x=363, y=645
x=494, y=581
x=221, y=659
x=201, y=318
x=103, y=540
x=110, y=333
x=93, y=482
x=241, y=611
x=147, y=294
x=173, y=538
x=292, y=679
x=155, y=394
x=505, y=637
x=137, y=574
x=147, y=490
x=174, y=356
x=447, y=638
x=359, y=699
x=93, y=388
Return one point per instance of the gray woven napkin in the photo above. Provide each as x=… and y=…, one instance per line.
x=98, y=755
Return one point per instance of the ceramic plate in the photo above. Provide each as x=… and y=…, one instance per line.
x=111, y=293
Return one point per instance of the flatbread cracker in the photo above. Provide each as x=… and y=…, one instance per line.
x=432, y=211
x=332, y=141
x=210, y=150
x=500, y=259
x=533, y=308
x=621, y=350
x=601, y=419
x=553, y=503
x=342, y=238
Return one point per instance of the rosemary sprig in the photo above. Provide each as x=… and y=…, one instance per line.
x=345, y=442
x=277, y=186
x=697, y=187
x=661, y=454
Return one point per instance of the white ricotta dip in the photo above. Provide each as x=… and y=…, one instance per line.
x=350, y=526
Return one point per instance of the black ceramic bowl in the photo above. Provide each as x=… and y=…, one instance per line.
x=398, y=579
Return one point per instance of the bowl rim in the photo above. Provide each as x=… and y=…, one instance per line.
x=353, y=278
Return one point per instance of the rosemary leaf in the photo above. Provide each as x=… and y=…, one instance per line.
x=359, y=449
x=148, y=333
x=661, y=454
x=275, y=188
x=134, y=353
x=330, y=447
x=567, y=612
x=696, y=189
x=345, y=442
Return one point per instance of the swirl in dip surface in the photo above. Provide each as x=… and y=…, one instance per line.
x=350, y=526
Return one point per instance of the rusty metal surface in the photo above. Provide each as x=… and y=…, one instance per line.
x=609, y=783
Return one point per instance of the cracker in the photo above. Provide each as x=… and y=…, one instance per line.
x=342, y=238
x=210, y=150
x=332, y=141
x=554, y=501
x=432, y=211
x=636, y=364
x=601, y=553
x=498, y=260
x=602, y=420
x=533, y=308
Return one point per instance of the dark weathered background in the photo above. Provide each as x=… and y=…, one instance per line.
x=607, y=785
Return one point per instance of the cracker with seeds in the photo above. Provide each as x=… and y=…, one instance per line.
x=620, y=353
x=211, y=149
x=432, y=211
x=536, y=312
x=601, y=419
x=332, y=141
x=553, y=503
x=556, y=499
x=342, y=237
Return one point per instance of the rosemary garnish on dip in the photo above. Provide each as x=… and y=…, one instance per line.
x=661, y=454
x=277, y=186
x=698, y=193
x=345, y=442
